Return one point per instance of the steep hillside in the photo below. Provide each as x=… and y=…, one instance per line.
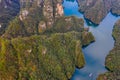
x=40, y=43
x=41, y=57
x=96, y=10
x=8, y=10
x=116, y=7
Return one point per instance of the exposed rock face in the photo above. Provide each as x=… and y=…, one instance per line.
x=113, y=59
x=42, y=26
x=42, y=10
x=48, y=12
x=59, y=10
x=23, y=14
x=52, y=10
x=8, y=10
x=96, y=10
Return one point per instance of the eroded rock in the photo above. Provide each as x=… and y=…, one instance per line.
x=42, y=26
x=23, y=14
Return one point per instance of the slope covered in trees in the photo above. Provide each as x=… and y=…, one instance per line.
x=40, y=43
x=96, y=10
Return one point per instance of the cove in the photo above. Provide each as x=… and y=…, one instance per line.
x=96, y=52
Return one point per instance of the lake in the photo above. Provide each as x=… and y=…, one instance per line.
x=96, y=52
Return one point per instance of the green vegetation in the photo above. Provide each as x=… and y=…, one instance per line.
x=87, y=38
x=27, y=27
x=30, y=49
x=65, y=24
x=96, y=10
x=15, y=28
x=41, y=57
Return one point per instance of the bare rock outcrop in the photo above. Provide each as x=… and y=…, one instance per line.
x=52, y=10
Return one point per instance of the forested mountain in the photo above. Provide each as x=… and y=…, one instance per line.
x=96, y=10
x=38, y=42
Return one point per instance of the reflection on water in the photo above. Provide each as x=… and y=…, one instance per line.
x=96, y=52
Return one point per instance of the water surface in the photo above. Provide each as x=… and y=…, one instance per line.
x=96, y=52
